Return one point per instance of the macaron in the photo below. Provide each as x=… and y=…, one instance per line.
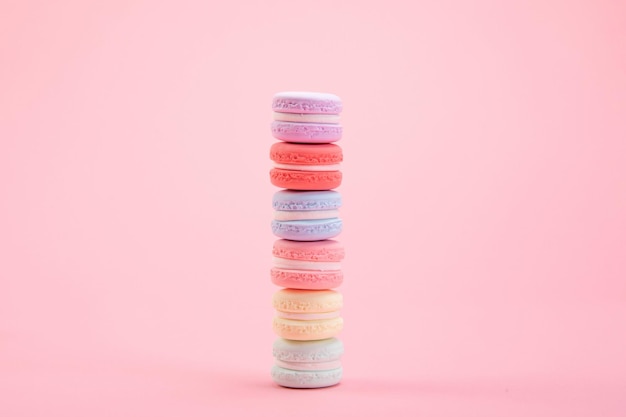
x=307, y=315
x=310, y=364
x=306, y=215
x=306, y=167
x=307, y=265
x=306, y=117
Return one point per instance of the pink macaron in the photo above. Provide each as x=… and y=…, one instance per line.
x=307, y=265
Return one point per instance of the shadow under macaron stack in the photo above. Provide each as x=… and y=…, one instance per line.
x=306, y=261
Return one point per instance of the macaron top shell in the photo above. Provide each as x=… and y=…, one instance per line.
x=319, y=251
x=306, y=279
x=307, y=301
x=306, y=118
x=306, y=154
x=325, y=350
x=307, y=230
x=306, y=102
x=291, y=200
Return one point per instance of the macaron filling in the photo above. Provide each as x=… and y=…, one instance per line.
x=284, y=263
x=309, y=366
x=308, y=316
x=305, y=215
x=306, y=118
x=294, y=167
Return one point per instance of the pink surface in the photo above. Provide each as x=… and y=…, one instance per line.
x=498, y=236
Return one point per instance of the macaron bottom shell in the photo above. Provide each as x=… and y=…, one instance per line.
x=307, y=329
x=306, y=132
x=306, y=379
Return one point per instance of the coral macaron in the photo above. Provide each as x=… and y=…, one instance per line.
x=306, y=167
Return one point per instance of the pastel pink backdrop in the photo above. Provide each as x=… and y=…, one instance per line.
x=484, y=213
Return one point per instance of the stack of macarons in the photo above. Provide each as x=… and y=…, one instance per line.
x=306, y=262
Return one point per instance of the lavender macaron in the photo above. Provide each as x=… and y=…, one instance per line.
x=305, y=117
x=306, y=215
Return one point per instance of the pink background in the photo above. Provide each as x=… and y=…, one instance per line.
x=485, y=200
